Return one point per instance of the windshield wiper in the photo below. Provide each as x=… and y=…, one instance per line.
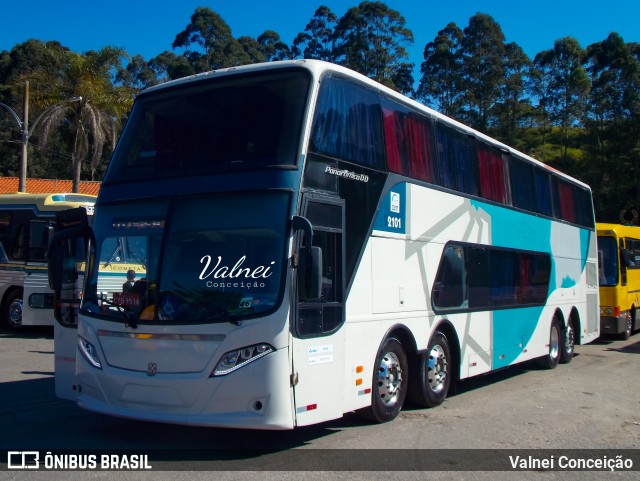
x=113, y=256
x=223, y=314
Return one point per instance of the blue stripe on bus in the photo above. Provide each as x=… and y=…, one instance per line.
x=513, y=328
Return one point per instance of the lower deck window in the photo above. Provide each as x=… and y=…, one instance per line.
x=476, y=277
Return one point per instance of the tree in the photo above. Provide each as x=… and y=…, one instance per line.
x=441, y=81
x=138, y=74
x=371, y=39
x=318, y=39
x=252, y=49
x=568, y=87
x=272, y=47
x=612, y=125
x=513, y=112
x=208, y=42
x=15, y=65
x=89, y=123
x=169, y=66
x=483, y=68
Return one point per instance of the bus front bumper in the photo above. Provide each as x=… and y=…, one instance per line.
x=614, y=324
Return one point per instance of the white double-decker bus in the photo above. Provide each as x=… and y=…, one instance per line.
x=316, y=243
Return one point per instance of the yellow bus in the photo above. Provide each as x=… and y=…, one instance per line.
x=619, y=272
x=27, y=222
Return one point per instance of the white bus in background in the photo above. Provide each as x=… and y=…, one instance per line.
x=26, y=226
x=315, y=244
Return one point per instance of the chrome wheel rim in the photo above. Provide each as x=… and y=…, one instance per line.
x=554, y=342
x=569, y=342
x=389, y=379
x=15, y=312
x=437, y=369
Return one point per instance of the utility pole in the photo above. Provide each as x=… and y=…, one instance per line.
x=22, y=179
x=24, y=131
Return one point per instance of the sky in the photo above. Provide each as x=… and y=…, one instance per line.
x=148, y=27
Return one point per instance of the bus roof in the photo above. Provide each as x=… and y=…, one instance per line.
x=619, y=230
x=45, y=202
x=318, y=67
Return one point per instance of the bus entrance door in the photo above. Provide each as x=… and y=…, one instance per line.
x=318, y=344
x=67, y=261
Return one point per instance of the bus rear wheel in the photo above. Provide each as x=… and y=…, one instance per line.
x=433, y=377
x=12, y=309
x=389, y=386
x=568, y=348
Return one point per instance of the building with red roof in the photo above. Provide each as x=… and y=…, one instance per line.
x=9, y=185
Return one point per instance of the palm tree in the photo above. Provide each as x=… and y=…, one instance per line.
x=91, y=122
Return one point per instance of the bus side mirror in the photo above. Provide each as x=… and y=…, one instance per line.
x=65, y=252
x=627, y=258
x=309, y=263
x=66, y=257
x=54, y=266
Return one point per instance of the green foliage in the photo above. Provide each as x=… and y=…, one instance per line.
x=441, y=82
x=371, y=39
x=318, y=41
x=577, y=109
x=208, y=43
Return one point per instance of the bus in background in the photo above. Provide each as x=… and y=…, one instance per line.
x=619, y=272
x=316, y=243
x=26, y=226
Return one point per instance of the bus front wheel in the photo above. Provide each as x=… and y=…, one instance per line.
x=433, y=376
x=12, y=309
x=389, y=386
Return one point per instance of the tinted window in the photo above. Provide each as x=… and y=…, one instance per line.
x=543, y=193
x=475, y=277
x=457, y=160
x=347, y=123
x=522, y=184
x=408, y=141
x=492, y=177
x=228, y=124
x=607, y=261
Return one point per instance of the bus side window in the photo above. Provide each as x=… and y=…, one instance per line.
x=19, y=251
x=40, y=233
x=623, y=263
x=450, y=288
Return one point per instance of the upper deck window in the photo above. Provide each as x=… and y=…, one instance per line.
x=347, y=124
x=231, y=123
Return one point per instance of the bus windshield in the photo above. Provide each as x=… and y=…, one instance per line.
x=247, y=123
x=191, y=260
x=608, y=260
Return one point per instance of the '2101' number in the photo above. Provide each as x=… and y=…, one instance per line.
x=394, y=222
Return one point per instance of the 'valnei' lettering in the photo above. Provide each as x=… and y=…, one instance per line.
x=221, y=271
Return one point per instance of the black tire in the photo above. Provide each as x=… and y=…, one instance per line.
x=550, y=360
x=12, y=309
x=389, y=384
x=569, y=343
x=431, y=383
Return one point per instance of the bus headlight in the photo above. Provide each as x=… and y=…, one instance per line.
x=89, y=352
x=234, y=360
